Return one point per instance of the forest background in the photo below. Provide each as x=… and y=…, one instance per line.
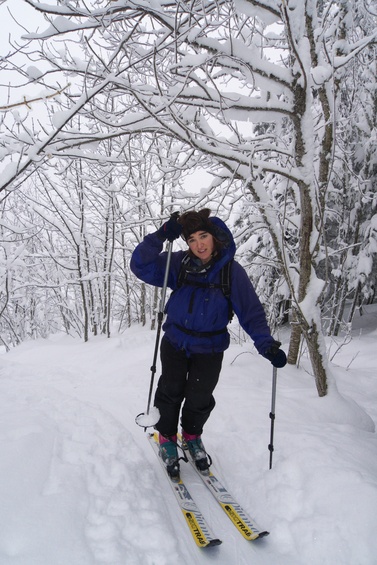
x=114, y=114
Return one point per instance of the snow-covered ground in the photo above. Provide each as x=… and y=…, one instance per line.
x=80, y=485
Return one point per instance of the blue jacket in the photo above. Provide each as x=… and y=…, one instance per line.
x=200, y=309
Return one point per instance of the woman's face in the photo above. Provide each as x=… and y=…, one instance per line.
x=202, y=245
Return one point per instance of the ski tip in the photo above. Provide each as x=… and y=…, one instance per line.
x=214, y=542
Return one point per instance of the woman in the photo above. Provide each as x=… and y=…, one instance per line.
x=195, y=330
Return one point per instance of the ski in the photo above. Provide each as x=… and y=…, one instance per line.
x=195, y=520
x=244, y=524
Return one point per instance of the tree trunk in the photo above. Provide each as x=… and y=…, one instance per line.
x=313, y=339
x=355, y=303
x=295, y=340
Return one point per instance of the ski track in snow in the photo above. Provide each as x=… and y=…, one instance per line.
x=87, y=457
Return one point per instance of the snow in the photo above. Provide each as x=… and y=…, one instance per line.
x=148, y=418
x=246, y=7
x=321, y=74
x=59, y=118
x=58, y=25
x=33, y=72
x=80, y=485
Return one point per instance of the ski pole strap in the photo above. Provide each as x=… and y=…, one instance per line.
x=200, y=334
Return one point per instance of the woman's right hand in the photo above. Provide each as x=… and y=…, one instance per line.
x=171, y=229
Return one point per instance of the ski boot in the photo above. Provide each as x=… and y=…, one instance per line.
x=169, y=455
x=197, y=451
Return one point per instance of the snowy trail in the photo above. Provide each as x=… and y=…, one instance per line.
x=101, y=475
x=78, y=458
x=81, y=460
x=79, y=483
x=86, y=464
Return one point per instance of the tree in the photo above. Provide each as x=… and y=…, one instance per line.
x=252, y=87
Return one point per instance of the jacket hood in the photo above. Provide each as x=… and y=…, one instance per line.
x=221, y=232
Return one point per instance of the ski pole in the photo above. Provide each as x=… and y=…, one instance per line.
x=160, y=316
x=272, y=413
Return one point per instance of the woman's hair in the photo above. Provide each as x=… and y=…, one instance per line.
x=193, y=221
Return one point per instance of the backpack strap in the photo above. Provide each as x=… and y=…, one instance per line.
x=182, y=271
x=225, y=281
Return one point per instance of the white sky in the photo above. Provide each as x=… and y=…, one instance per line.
x=16, y=18
x=23, y=14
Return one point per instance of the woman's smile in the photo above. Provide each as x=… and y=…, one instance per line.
x=202, y=245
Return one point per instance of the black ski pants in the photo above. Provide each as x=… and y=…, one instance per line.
x=185, y=379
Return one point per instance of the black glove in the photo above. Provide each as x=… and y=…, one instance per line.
x=171, y=229
x=276, y=355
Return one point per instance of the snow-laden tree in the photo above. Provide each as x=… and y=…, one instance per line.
x=352, y=200
x=253, y=86
x=67, y=238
